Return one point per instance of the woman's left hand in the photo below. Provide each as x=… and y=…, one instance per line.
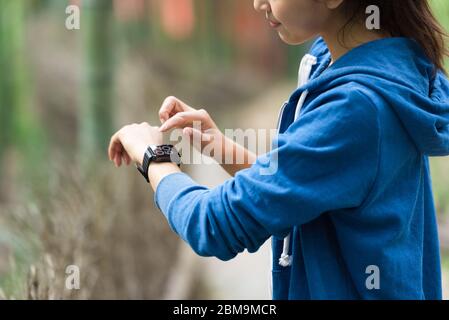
x=130, y=143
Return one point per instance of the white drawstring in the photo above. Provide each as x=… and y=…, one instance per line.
x=285, y=260
x=305, y=69
x=301, y=101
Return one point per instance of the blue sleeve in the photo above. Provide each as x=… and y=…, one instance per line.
x=326, y=160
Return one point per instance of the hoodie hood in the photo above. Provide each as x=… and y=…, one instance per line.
x=398, y=71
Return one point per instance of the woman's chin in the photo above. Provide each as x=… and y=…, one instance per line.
x=293, y=40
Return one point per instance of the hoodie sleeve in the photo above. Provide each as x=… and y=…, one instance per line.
x=325, y=161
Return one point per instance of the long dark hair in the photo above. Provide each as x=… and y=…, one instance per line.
x=407, y=18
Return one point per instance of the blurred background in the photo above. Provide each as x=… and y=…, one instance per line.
x=63, y=93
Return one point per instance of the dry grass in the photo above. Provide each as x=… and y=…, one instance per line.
x=103, y=221
x=105, y=224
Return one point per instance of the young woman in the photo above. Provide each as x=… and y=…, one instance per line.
x=349, y=207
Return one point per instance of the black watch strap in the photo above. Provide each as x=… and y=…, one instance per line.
x=146, y=163
x=159, y=153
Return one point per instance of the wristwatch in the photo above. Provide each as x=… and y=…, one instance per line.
x=158, y=153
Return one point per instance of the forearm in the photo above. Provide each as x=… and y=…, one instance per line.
x=214, y=222
x=231, y=147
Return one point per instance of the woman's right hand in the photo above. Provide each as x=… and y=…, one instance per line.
x=174, y=113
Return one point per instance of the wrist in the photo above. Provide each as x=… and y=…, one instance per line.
x=162, y=167
x=163, y=153
x=158, y=170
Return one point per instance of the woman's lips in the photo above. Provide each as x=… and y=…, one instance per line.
x=273, y=24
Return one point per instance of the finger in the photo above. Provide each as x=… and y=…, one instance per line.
x=112, y=145
x=183, y=119
x=170, y=107
x=111, y=150
x=117, y=153
x=126, y=158
x=196, y=135
x=119, y=159
x=188, y=131
x=114, y=150
x=188, y=134
x=117, y=156
x=114, y=159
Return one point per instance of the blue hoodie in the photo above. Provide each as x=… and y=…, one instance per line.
x=352, y=185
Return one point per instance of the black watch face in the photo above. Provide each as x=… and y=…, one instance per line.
x=166, y=153
x=164, y=150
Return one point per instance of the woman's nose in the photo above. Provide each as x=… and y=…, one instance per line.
x=261, y=5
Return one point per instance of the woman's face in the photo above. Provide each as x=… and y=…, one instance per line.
x=297, y=21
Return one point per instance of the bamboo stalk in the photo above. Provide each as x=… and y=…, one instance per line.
x=18, y=121
x=96, y=111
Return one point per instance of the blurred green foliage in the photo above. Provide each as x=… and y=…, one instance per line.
x=440, y=166
x=19, y=123
x=441, y=9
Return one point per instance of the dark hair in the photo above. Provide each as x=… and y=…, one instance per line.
x=407, y=18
